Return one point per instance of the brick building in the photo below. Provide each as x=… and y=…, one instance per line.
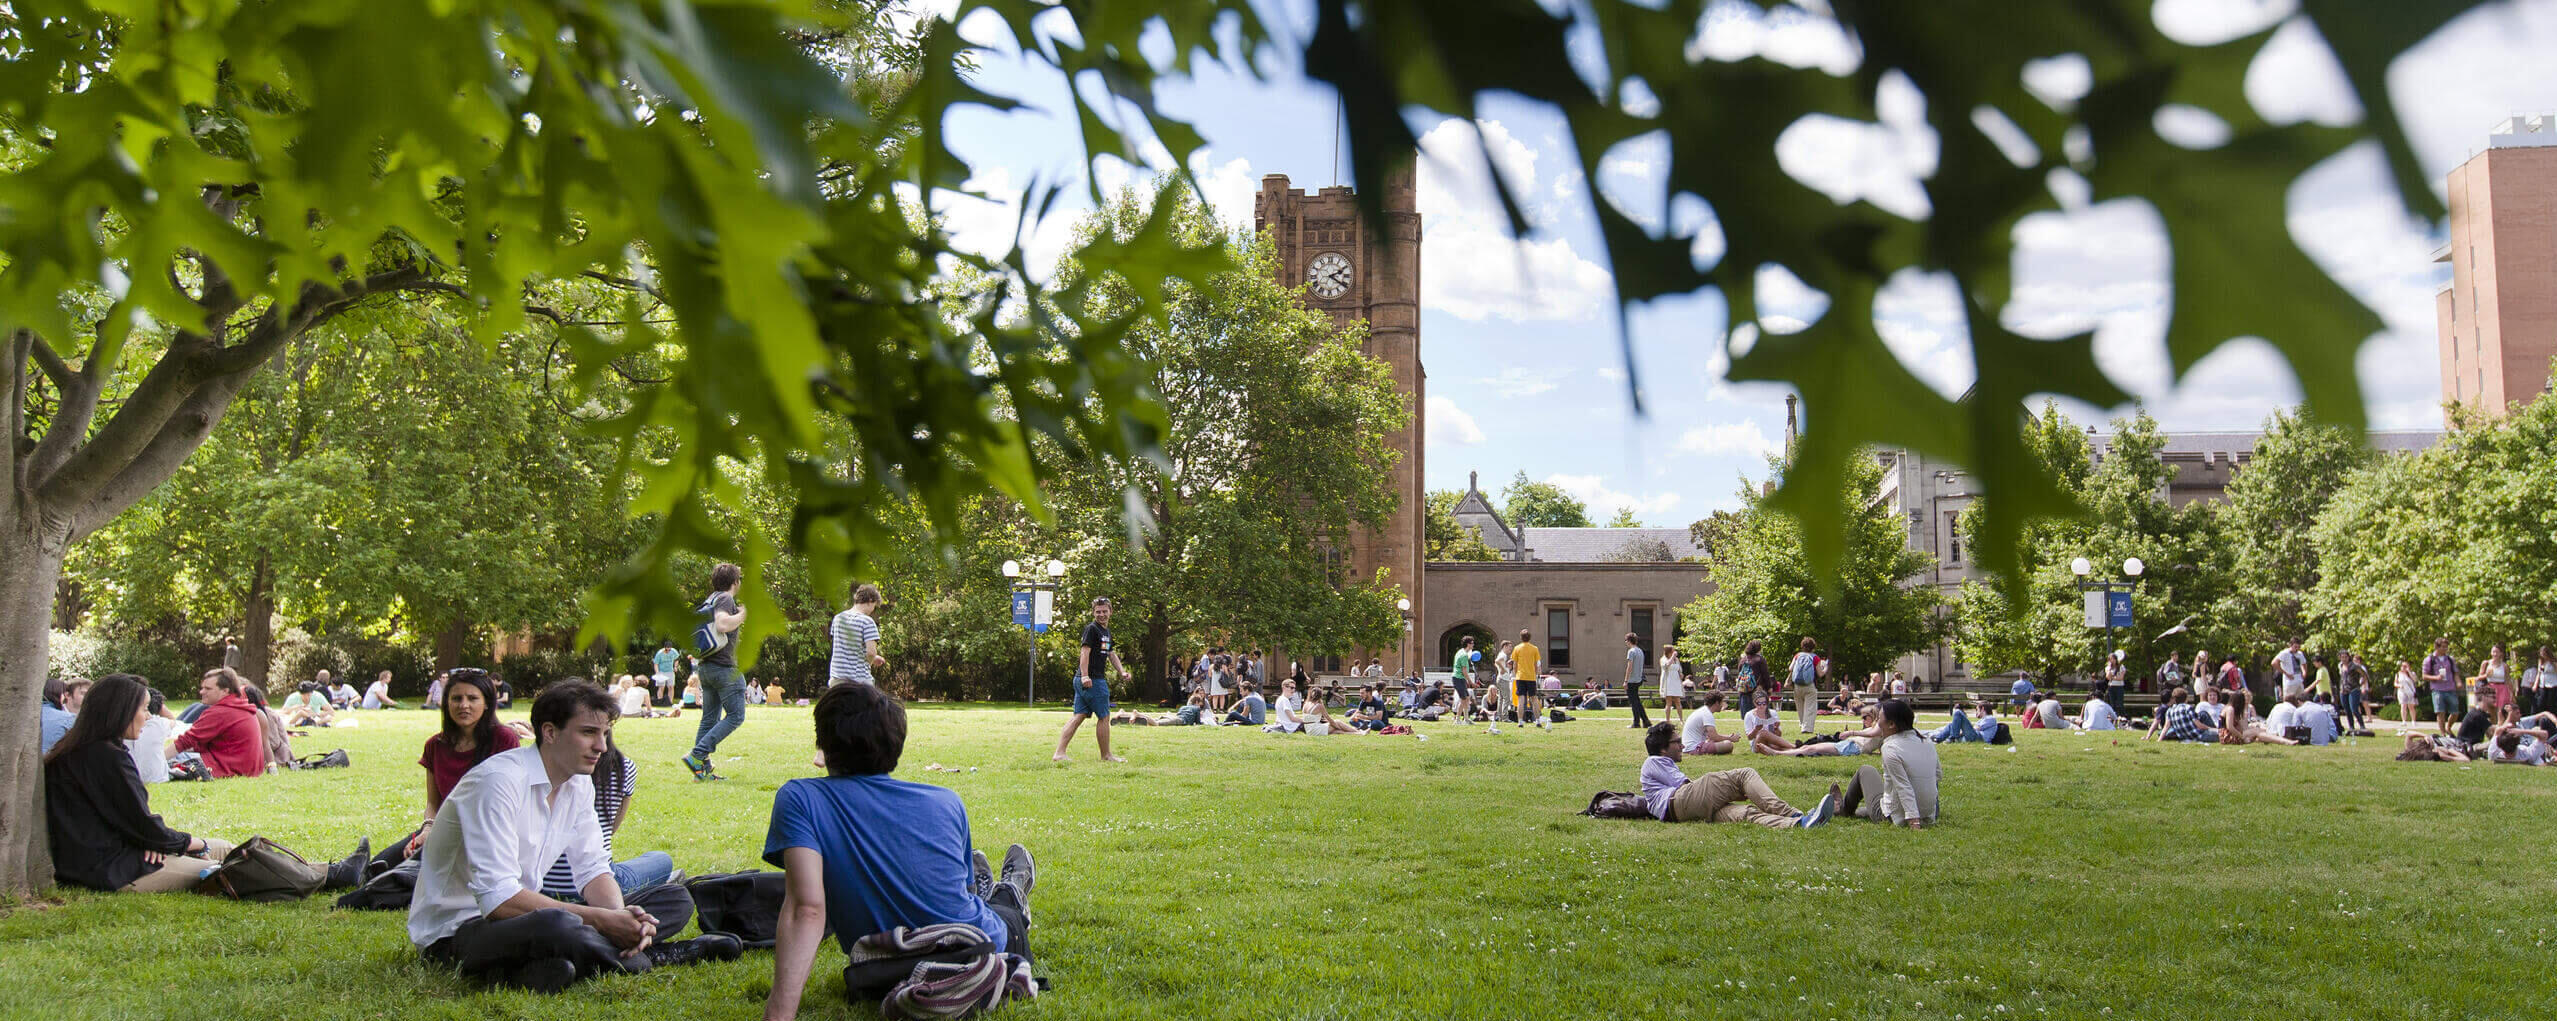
x=2497, y=316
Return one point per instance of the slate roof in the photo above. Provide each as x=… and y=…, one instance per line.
x=1592, y=545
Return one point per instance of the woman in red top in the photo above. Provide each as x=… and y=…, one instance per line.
x=471, y=734
x=230, y=734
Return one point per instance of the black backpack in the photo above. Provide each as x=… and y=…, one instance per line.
x=746, y=905
x=1617, y=805
x=333, y=760
x=390, y=891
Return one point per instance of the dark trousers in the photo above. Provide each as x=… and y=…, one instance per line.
x=493, y=949
x=1634, y=695
x=1748, y=701
x=2528, y=700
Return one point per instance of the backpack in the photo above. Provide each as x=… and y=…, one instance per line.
x=1559, y=717
x=935, y=971
x=1617, y=805
x=333, y=760
x=189, y=766
x=1806, y=669
x=746, y=905
x=263, y=870
x=707, y=638
x=390, y=891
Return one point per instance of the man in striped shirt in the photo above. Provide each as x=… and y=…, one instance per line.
x=856, y=639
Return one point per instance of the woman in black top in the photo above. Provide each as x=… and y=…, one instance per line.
x=104, y=835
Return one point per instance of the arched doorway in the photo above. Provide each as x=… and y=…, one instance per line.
x=1454, y=637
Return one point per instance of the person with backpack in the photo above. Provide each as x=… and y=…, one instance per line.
x=867, y=853
x=478, y=906
x=723, y=695
x=1805, y=672
x=98, y=815
x=1755, y=679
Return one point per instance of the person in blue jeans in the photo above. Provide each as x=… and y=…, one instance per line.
x=1091, y=686
x=723, y=695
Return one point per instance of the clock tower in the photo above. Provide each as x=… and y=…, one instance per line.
x=1352, y=269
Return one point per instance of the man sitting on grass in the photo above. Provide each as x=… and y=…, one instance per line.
x=478, y=905
x=870, y=853
x=1699, y=735
x=1733, y=795
x=1251, y=710
x=1904, y=789
x=2179, y=720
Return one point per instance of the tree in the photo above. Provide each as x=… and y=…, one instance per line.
x=1529, y=504
x=1766, y=588
x=2273, y=508
x=2458, y=541
x=1448, y=540
x=1624, y=519
x=187, y=194
x=2044, y=629
x=1274, y=454
x=1714, y=531
x=1642, y=551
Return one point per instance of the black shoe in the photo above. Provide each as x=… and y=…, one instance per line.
x=548, y=975
x=711, y=947
x=349, y=871
x=1020, y=871
x=979, y=873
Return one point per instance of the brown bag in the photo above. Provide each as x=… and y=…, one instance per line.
x=263, y=870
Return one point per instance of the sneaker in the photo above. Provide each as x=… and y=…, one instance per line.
x=980, y=875
x=1020, y=871
x=708, y=775
x=695, y=764
x=1495, y=728
x=1819, y=814
x=548, y=975
x=711, y=947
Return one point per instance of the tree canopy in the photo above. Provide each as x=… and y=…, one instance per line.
x=1526, y=503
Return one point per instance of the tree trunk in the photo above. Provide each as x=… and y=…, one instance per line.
x=1156, y=648
x=449, y=643
x=257, y=639
x=30, y=566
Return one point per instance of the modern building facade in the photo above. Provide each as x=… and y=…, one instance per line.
x=2497, y=318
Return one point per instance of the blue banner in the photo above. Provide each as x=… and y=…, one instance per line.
x=2117, y=609
x=1021, y=609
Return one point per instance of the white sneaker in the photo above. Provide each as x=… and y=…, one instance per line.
x=1494, y=729
x=1544, y=725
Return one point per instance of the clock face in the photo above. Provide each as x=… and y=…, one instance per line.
x=1329, y=275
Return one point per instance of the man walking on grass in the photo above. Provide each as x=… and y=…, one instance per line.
x=1807, y=670
x=2441, y=678
x=1460, y=668
x=1634, y=683
x=1091, y=687
x=723, y=695
x=856, y=640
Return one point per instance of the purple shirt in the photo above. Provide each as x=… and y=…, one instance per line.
x=2447, y=668
x=1661, y=779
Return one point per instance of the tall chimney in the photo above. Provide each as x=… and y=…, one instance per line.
x=1790, y=429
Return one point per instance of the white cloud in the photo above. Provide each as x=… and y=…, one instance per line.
x=1604, y=502
x=1228, y=187
x=1742, y=437
x=1515, y=381
x=1476, y=270
x=1449, y=425
x=985, y=218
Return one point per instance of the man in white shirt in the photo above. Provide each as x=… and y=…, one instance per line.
x=1904, y=789
x=1698, y=736
x=2291, y=666
x=478, y=906
x=2285, y=714
x=2099, y=715
x=2049, y=710
x=2516, y=747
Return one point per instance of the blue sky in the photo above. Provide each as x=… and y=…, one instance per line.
x=1519, y=336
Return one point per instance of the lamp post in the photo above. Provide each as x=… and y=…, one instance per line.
x=1034, y=613
x=2100, y=611
x=1403, y=606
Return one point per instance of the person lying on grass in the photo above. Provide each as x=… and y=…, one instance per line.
x=1853, y=742
x=98, y=814
x=1904, y=789
x=1732, y=795
x=2519, y=746
x=2422, y=747
x=479, y=907
x=1187, y=716
x=868, y=852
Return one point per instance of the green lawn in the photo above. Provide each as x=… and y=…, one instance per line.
x=1227, y=873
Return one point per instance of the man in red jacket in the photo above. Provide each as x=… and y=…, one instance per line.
x=227, y=734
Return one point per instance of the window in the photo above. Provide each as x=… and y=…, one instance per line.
x=1642, y=631
x=1953, y=537
x=1328, y=664
x=1558, y=637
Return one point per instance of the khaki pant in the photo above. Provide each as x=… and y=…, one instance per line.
x=1806, y=703
x=179, y=873
x=1732, y=795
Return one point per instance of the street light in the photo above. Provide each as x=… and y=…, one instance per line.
x=2099, y=609
x=1033, y=618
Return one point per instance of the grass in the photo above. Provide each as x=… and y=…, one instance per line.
x=1227, y=873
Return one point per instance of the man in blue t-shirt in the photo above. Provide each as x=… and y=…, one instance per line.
x=867, y=852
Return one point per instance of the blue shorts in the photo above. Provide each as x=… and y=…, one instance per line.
x=2445, y=703
x=1092, y=701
